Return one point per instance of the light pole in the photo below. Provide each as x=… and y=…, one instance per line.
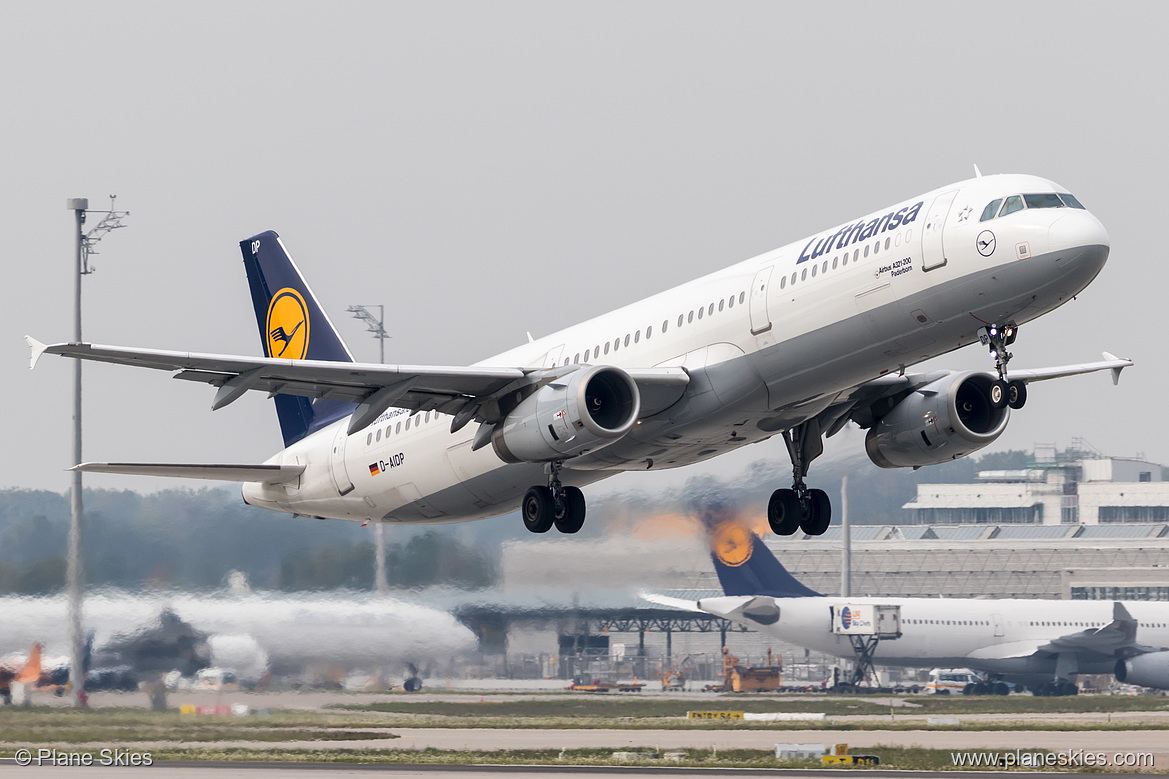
x=377, y=327
x=74, y=574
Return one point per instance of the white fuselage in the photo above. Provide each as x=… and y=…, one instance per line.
x=768, y=343
x=997, y=636
x=347, y=629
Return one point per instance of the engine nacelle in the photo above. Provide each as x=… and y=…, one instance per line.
x=1151, y=670
x=586, y=410
x=942, y=421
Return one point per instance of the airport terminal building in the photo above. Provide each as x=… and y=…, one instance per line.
x=1068, y=488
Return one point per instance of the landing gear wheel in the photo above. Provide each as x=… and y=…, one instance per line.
x=1016, y=394
x=784, y=512
x=538, y=509
x=1001, y=688
x=818, y=516
x=572, y=517
x=999, y=394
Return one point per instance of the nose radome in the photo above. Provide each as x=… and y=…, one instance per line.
x=1078, y=229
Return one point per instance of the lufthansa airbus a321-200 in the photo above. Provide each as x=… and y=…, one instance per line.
x=796, y=342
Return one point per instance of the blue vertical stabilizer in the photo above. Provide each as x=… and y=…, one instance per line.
x=293, y=326
x=745, y=565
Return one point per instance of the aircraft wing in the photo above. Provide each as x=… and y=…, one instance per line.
x=468, y=393
x=267, y=474
x=856, y=404
x=1116, y=639
x=1110, y=363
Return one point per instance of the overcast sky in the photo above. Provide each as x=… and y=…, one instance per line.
x=486, y=169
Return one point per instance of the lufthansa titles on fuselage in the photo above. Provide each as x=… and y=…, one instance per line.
x=860, y=231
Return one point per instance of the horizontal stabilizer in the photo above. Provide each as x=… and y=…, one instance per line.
x=267, y=474
x=673, y=603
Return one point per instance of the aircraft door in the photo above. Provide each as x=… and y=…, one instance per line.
x=933, y=253
x=337, y=467
x=552, y=357
x=997, y=619
x=760, y=319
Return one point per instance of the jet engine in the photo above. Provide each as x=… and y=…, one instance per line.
x=1151, y=670
x=944, y=420
x=585, y=410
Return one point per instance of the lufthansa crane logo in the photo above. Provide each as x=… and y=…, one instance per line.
x=287, y=329
x=986, y=243
x=732, y=544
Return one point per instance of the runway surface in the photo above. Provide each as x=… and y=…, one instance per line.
x=317, y=770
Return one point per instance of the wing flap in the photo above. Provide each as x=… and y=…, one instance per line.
x=266, y=474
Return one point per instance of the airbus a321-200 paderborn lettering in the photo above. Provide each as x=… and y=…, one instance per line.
x=796, y=342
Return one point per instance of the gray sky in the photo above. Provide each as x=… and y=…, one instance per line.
x=489, y=168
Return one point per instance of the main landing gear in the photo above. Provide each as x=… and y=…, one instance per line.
x=555, y=504
x=1004, y=393
x=800, y=508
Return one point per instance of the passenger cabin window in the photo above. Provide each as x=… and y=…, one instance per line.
x=1047, y=200
x=742, y=295
x=1011, y=205
x=991, y=209
x=1070, y=201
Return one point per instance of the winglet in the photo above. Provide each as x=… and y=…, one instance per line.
x=1115, y=371
x=977, y=172
x=38, y=349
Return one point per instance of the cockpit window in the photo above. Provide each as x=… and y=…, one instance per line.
x=1046, y=200
x=1011, y=205
x=1069, y=200
x=991, y=209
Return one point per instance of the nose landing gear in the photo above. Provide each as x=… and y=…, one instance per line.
x=997, y=338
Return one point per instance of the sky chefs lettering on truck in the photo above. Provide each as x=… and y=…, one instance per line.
x=861, y=231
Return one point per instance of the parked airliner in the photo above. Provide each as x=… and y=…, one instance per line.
x=1043, y=644
x=796, y=342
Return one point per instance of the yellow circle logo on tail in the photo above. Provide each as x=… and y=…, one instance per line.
x=287, y=330
x=732, y=543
